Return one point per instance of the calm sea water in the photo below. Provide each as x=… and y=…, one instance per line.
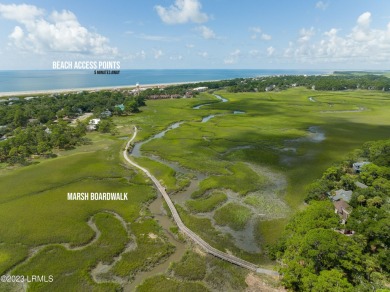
x=14, y=81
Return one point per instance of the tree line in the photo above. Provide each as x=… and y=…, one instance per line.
x=37, y=126
x=314, y=256
x=320, y=82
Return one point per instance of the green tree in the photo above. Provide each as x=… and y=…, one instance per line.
x=105, y=126
x=328, y=281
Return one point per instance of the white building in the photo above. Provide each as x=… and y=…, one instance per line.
x=93, y=124
x=200, y=89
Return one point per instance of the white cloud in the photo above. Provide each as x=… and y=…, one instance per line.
x=158, y=54
x=57, y=32
x=270, y=51
x=17, y=35
x=157, y=38
x=182, y=11
x=266, y=37
x=233, y=57
x=306, y=34
x=254, y=53
x=207, y=33
x=176, y=58
x=257, y=33
x=190, y=46
x=364, y=20
x=203, y=54
x=141, y=55
x=321, y=5
x=362, y=45
x=23, y=13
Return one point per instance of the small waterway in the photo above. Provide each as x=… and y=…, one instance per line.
x=289, y=153
x=221, y=98
x=206, y=119
x=244, y=239
x=217, y=96
x=136, y=151
x=156, y=208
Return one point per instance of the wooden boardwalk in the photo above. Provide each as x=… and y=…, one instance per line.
x=185, y=230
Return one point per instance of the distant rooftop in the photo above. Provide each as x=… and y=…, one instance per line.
x=358, y=165
x=360, y=185
x=342, y=195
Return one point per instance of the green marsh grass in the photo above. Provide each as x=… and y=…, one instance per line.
x=70, y=269
x=163, y=283
x=233, y=215
x=192, y=267
x=207, y=203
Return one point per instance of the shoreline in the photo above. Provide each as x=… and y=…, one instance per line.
x=70, y=90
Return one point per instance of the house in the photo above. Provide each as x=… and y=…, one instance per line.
x=13, y=98
x=120, y=106
x=270, y=88
x=360, y=185
x=342, y=195
x=200, y=89
x=343, y=209
x=106, y=114
x=30, y=97
x=94, y=122
x=358, y=165
x=92, y=126
x=33, y=121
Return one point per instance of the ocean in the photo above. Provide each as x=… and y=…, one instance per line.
x=35, y=80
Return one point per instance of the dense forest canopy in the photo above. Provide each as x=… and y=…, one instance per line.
x=35, y=126
x=319, y=253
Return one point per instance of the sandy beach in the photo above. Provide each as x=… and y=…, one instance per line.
x=69, y=90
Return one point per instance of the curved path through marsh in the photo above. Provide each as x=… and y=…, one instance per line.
x=189, y=233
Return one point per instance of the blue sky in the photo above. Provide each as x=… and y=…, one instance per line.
x=170, y=34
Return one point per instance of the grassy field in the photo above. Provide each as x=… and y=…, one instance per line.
x=286, y=132
x=165, y=284
x=191, y=267
x=208, y=203
x=70, y=268
x=233, y=215
x=276, y=131
x=198, y=272
x=37, y=213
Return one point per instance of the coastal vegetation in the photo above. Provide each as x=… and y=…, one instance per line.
x=243, y=170
x=206, y=203
x=318, y=253
x=44, y=221
x=36, y=126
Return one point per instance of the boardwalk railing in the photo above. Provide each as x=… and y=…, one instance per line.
x=185, y=230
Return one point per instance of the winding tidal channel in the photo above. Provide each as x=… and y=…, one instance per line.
x=181, y=197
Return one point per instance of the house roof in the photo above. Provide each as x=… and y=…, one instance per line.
x=360, y=185
x=358, y=165
x=343, y=208
x=342, y=195
x=120, y=106
x=341, y=204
